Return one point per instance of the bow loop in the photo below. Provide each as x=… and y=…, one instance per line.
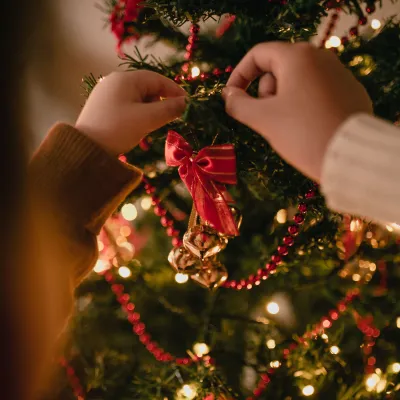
x=204, y=175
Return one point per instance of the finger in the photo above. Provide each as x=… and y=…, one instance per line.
x=267, y=86
x=157, y=114
x=150, y=85
x=246, y=109
x=265, y=57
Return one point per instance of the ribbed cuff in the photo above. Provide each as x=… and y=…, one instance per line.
x=87, y=182
x=361, y=169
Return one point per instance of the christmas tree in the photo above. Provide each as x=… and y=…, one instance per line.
x=304, y=302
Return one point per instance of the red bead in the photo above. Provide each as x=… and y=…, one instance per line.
x=310, y=194
x=265, y=274
x=288, y=240
x=229, y=69
x=108, y=276
x=344, y=40
x=204, y=76
x=353, y=31
x=265, y=378
x=165, y=221
x=362, y=21
x=138, y=329
x=191, y=47
x=177, y=79
x=171, y=231
x=176, y=242
x=185, y=67
x=334, y=315
x=298, y=218
x=151, y=346
x=150, y=190
x=257, y=392
x=251, y=279
x=130, y=307
x=195, y=29
x=187, y=56
x=144, y=144
x=123, y=299
x=341, y=306
x=302, y=207
x=155, y=200
x=293, y=230
x=370, y=9
x=233, y=284
x=371, y=360
x=159, y=211
x=277, y=259
x=217, y=71
x=376, y=333
x=283, y=250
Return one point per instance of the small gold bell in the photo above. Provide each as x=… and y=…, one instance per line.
x=183, y=261
x=203, y=241
x=237, y=217
x=211, y=276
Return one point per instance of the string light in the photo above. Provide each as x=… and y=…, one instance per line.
x=181, y=278
x=129, y=212
x=376, y=24
x=398, y=322
x=371, y=382
x=188, y=392
x=101, y=266
x=395, y=367
x=273, y=308
x=334, y=350
x=325, y=336
x=333, y=41
x=145, y=203
x=381, y=386
x=308, y=390
x=281, y=216
x=271, y=343
x=201, y=349
x=124, y=272
x=195, y=72
x=275, y=364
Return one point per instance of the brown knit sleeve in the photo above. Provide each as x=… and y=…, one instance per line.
x=76, y=185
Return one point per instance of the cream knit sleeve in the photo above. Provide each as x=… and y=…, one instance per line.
x=361, y=171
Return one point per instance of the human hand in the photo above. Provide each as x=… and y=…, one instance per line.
x=126, y=106
x=304, y=95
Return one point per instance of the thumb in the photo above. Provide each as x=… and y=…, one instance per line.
x=244, y=108
x=159, y=113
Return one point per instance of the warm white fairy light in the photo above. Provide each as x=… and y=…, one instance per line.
x=371, y=382
x=145, y=203
x=281, y=216
x=129, y=212
x=376, y=24
x=195, y=72
x=273, y=308
x=381, y=386
x=101, y=266
x=356, y=277
x=325, y=336
x=334, y=350
x=395, y=367
x=398, y=322
x=181, y=278
x=308, y=390
x=271, y=343
x=188, y=392
x=333, y=41
x=275, y=364
x=124, y=272
x=201, y=349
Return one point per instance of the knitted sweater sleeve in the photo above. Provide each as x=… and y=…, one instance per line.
x=361, y=172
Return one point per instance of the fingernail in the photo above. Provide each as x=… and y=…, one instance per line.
x=226, y=92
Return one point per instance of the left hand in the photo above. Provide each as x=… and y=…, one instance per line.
x=126, y=106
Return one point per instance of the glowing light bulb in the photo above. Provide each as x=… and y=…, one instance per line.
x=324, y=336
x=201, y=349
x=188, y=392
x=334, y=41
x=371, y=382
x=124, y=272
x=145, y=203
x=356, y=277
x=271, y=343
x=101, y=266
x=273, y=308
x=395, y=367
x=181, y=278
x=129, y=212
x=275, y=364
x=381, y=386
x=195, y=72
x=281, y=216
x=308, y=390
x=398, y=322
x=376, y=24
x=334, y=350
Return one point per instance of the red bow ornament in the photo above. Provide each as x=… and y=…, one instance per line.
x=205, y=174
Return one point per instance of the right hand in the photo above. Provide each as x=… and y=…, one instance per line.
x=304, y=95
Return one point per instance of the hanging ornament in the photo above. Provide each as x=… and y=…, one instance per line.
x=238, y=218
x=352, y=236
x=183, y=261
x=212, y=275
x=203, y=241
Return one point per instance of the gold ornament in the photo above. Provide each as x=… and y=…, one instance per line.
x=183, y=261
x=237, y=217
x=203, y=241
x=212, y=275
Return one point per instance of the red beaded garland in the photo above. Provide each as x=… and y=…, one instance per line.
x=73, y=379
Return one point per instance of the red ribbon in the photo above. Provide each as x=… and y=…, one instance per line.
x=204, y=174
